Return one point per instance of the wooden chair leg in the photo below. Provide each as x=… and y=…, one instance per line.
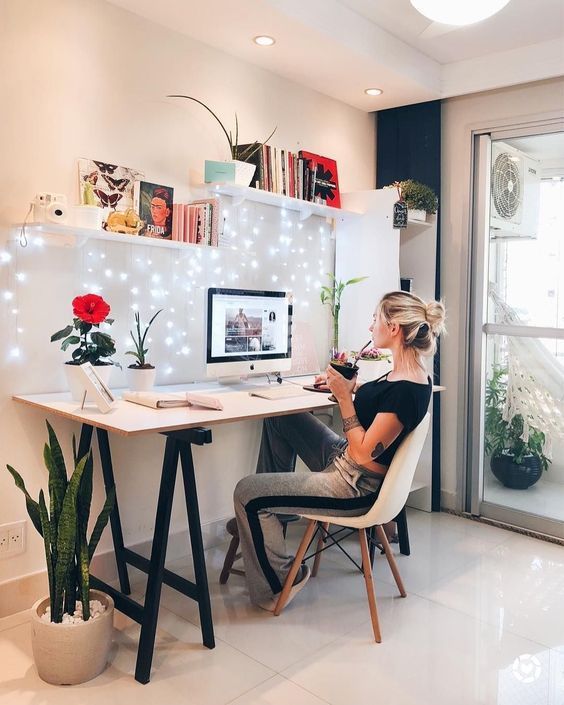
x=367, y=570
x=320, y=543
x=391, y=560
x=229, y=559
x=309, y=532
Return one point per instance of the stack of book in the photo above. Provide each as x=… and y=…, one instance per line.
x=196, y=222
x=302, y=175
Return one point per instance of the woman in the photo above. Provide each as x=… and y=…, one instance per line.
x=347, y=472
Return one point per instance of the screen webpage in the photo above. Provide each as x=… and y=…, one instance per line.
x=248, y=326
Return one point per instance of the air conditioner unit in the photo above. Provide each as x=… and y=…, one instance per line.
x=515, y=193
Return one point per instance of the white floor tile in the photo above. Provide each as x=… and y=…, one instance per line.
x=278, y=691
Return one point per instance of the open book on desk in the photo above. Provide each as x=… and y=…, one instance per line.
x=159, y=400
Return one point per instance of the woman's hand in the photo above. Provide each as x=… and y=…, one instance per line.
x=341, y=387
x=321, y=381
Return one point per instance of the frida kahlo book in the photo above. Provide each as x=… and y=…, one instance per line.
x=154, y=204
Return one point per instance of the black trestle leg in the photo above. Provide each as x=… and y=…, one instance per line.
x=115, y=521
x=156, y=564
x=403, y=533
x=198, y=556
x=85, y=440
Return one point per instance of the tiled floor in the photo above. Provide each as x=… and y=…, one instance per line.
x=545, y=498
x=483, y=624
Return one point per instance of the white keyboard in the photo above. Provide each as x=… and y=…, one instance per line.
x=278, y=391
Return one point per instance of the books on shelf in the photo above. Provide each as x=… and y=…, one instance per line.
x=159, y=400
x=197, y=222
x=303, y=175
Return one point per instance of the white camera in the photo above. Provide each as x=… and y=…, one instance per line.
x=50, y=208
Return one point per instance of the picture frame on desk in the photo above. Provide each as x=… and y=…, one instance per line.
x=96, y=389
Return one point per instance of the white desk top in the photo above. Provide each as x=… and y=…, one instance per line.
x=133, y=419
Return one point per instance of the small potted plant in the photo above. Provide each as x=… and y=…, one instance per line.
x=241, y=155
x=341, y=362
x=71, y=629
x=331, y=296
x=373, y=363
x=141, y=374
x=420, y=199
x=90, y=311
x=515, y=462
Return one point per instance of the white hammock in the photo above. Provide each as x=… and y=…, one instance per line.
x=535, y=382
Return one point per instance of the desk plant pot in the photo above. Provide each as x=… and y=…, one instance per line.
x=75, y=378
x=372, y=369
x=141, y=379
x=67, y=654
x=141, y=374
x=517, y=476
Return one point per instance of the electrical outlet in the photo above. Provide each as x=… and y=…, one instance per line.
x=12, y=539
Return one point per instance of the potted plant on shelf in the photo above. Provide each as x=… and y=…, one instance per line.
x=331, y=296
x=240, y=170
x=515, y=462
x=90, y=311
x=421, y=200
x=373, y=363
x=72, y=627
x=141, y=374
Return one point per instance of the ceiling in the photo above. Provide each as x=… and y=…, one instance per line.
x=341, y=47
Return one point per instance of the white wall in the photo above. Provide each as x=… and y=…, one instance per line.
x=460, y=116
x=84, y=78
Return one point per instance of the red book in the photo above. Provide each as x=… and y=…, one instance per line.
x=325, y=182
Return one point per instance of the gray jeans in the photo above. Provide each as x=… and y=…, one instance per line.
x=336, y=486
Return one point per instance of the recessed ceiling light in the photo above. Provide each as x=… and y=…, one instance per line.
x=264, y=40
x=458, y=13
x=373, y=91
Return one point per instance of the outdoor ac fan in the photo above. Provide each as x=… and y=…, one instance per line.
x=515, y=193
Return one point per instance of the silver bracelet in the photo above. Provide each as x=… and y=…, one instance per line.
x=350, y=422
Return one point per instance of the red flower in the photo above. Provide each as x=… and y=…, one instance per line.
x=90, y=308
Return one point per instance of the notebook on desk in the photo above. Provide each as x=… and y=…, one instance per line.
x=279, y=391
x=159, y=400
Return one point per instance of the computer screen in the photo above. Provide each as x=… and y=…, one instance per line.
x=248, y=331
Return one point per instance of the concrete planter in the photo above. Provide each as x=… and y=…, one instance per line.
x=372, y=369
x=419, y=215
x=141, y=380
x=67, y=654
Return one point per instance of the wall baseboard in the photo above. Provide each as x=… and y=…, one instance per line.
x=20, y=594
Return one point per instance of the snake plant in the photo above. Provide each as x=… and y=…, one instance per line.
x=64, y=525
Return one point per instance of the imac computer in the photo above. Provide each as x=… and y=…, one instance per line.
x=248, y=332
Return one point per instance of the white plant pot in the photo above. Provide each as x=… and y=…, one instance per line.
x=67, y=654
x=75, y=379
x=369, y=370
x=420, y=215
x=244, y=172
x=141, y=380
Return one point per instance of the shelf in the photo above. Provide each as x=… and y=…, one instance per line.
x=304, y=208
x=58, y=235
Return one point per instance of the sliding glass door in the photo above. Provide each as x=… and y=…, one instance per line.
x=516, y=400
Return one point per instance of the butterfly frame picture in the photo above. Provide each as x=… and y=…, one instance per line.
x=106, y=185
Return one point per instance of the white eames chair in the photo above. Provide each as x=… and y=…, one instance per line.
x=391, y=499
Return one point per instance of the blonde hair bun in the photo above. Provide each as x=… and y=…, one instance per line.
x=435, y=315
x=421, y=322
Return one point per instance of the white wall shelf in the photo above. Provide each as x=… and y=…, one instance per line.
x=305, y=208
x=58, y=235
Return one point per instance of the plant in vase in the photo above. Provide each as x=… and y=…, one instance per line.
x=142, y=374
x=516, y=462
x=420, y=199
x=72, y=627
x=90, y=311
x=241, y=155
x=373, y=363
x=331, y=296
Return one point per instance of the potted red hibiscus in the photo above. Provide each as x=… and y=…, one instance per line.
x=90, y=311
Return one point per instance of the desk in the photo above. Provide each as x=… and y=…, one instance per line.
x=182, y=428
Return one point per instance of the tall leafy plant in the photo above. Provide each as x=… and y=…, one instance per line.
x=505, y=437
x=139, y=338
x=64, y=526
x=331, y=296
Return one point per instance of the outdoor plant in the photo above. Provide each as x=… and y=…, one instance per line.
x=64, y=525
x=504, y=437
x=139, y=341
x=418, y=196
x=93, y=346
x=238, y=153
x=331, y=296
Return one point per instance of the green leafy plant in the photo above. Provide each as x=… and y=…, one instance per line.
x=504, y=437
x=418, y=196
x=63, y=527
x=241, y=154
x=90, y=311
x=331, y=296
x=139, y=341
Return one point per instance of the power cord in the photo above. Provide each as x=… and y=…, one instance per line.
x=23, y=235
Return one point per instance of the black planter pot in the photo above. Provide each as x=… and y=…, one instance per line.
x=517, y=477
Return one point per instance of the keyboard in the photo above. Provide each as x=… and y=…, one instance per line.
x=278, y=391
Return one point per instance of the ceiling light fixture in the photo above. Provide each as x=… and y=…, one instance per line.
x=459, y=13
x=263, y=40
x=373, y=91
